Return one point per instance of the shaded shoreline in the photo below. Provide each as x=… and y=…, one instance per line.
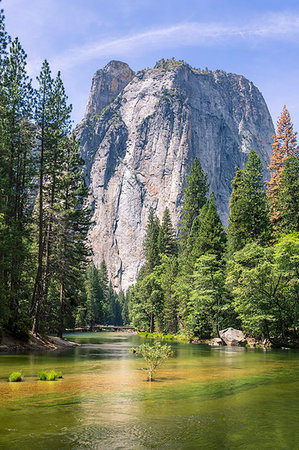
x=35, y=342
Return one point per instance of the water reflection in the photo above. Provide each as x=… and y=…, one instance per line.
x=204, y=397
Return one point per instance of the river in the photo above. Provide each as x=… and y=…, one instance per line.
x=203, y=398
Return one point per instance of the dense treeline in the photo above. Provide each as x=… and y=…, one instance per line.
x=209, y=278
x=44, y=281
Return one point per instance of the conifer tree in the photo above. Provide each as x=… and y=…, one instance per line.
x=69, y=225
x=288, y=197
x=249, y=215
x=207, y=233
x=166, y=240
x=16, y=173
x=93, y=294
x=284, y=145
x=151, y=245
x=43, y=117
x=195, y=196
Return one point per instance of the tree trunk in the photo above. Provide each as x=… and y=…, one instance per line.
x=152, y=323
x=61, y=321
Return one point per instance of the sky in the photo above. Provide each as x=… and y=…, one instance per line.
x=255, y=38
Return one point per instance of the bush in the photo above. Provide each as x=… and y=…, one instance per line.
x=42, y=375
x=153, y=355
x=49, y=376
x=15, y=376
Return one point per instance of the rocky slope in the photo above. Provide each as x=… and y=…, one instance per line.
x=139, y=147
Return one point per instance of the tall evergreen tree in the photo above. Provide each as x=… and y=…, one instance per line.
x=93, y=294
x=151, y=244
x=43, y=117
x=288, y=197
x=207, y=233
x=284, y=145
x=69, y=224
x=16, y=174
x=195, y=196
x=249, y=215
x=166, y=239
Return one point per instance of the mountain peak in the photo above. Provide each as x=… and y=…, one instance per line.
x=107, y=83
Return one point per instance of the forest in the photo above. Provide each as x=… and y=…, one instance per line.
x=195, y=282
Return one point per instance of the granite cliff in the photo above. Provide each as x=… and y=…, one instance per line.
x=139, y=137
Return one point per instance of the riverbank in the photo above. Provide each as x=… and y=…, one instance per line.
x=35, y=342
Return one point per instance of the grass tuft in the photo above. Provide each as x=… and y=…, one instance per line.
x=42, y=375
x=49, y=376
x=15, y=377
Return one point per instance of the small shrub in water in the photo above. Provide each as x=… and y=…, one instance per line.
x=42, y=375
x=15, y=376
x=49, y=376
x=153, y=355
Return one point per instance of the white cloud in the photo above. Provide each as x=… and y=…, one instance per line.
x=277, y=26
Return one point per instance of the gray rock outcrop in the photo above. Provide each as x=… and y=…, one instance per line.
x=106, y=84
x=139, y=147
x=232, y=337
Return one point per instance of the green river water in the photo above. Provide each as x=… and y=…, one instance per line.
x=203, y=398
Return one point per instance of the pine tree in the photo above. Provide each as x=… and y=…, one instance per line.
x=207, y=233
x=151, y=245
x=16, y=175
x=288, y=197
x=43, y=117
x=195, y=196
x=93, y=294
x=249, y=215
x=284, y=145
x=166, y=239
x=106, y=308
x=53, y=122
x=204, y=307
x=69, y=224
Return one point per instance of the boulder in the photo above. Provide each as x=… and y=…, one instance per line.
x=216, y=342
x=233, y=337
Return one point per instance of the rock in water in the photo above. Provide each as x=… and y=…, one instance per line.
x=233, y=337
x=139, y=147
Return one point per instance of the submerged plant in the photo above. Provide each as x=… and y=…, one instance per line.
x=16, y=376
x=154, y=355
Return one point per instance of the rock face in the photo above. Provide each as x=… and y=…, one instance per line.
x=106, y=84
x=233, y=337
x=139, y=148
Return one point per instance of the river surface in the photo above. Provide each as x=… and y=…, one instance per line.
x=203, y=398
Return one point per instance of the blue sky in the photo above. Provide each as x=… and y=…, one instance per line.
x=256, y=38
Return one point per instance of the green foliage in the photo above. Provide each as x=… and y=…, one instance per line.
x=194, y=199
x=42, y=375
x=154, y=356
x=207, y=234
x=288, y=197
x=249, y=212
x=151, y=242
x=167, y=244
x=206, y=307
x=264, y=282
x=164, y=337
x=16, y=377
x=52, y=375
